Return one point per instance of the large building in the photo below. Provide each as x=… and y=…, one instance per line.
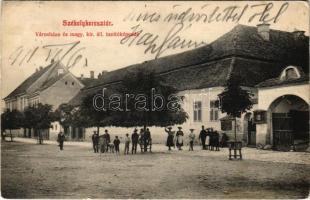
x=273, y=64
x=53, y=85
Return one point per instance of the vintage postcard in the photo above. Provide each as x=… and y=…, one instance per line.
x=155, y=100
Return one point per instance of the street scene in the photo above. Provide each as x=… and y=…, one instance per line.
x=43, y=171
x=155, y=100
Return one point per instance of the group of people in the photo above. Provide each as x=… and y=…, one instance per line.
x=209, y=139
x=104, y=144
x=179, y=137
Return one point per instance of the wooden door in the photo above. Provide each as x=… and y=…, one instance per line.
x=282, y=131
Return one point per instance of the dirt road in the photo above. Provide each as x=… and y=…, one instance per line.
x=43, y=171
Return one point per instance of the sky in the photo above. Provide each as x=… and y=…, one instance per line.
x=23, y=51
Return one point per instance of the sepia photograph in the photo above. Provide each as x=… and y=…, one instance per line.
x=155, y=100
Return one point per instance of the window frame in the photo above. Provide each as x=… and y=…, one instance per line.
x=214, y=110
x=197, y=111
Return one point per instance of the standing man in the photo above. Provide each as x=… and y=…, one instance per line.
x=116, y=144
x=127, y=142
x=216, y=141
x=108, y=139
x=61, y=138
x=134, y=139
x=191, y=139
x=40, y=138
x=202, y=137
x=95, y=139
x=212, y=139
x=141, y=140
x=147, y=139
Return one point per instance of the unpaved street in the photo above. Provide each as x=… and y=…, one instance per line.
x=42, y=171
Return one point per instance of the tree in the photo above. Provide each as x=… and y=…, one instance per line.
x=38, y=117
x=148, y=102
x=11, y=120
x=63, y=114
x=235, y=100
x=88, y=116
x=68, y=115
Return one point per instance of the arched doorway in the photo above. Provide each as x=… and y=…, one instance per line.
x=289, y=123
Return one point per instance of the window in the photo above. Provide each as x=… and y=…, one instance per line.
x=197, y=111
x=291, y=73
x=60, y=71
x=66, y=83
x=214, y=110
x=226, y=125
x=72, y=83
x=260, y=116
x=55, y=127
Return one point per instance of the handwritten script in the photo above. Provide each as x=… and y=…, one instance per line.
x=182, y=19
x=69, y=51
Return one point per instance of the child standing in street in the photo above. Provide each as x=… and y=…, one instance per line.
x=191, y=140
x=116, y=143
x=127, y=142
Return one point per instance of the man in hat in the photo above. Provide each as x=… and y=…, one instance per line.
x=202, y=137
x=61, y=138
x=169, y=142
x=107, y=139
x=134, y=139
x=147, y=138
x=179, y=136
x=95, y=139
x=191, y=139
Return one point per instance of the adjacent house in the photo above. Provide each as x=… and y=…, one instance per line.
x=53, y=85
x=273, y=63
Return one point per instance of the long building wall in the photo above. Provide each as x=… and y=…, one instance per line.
x=190, y=96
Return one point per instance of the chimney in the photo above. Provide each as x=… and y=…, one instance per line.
x=37, y=69
x=263, y=31
x=82, y=76
x=92, y=74
x=297, y=34
x=41, y=68
x=60, y=71
x=52, y=61
x=104, y=71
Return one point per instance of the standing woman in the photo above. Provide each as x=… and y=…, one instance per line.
x=208, y=138
x=179, y=136
x=169, y=142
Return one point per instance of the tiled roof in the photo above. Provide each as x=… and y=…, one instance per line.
x=240, y=51
x=278, y=82
x=28, y=82
x=49, y=80
x=241, y=41
x=87, y=81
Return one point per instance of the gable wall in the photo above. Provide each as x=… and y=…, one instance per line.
x=60, y=92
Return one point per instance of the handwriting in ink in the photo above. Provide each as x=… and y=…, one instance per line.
x=53, y=51
x=155, y=45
